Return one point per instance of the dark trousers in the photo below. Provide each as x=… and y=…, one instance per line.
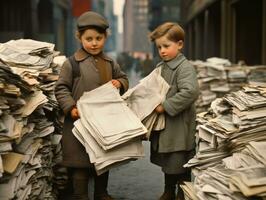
x=171, y=180
x=80, y=179
x=100, y=184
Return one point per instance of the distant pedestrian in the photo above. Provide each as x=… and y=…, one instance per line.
x=125, y=61
x=172, y=147
x=88, y=69
x=146, y=65
x=137, y=64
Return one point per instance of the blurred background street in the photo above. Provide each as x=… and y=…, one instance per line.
x=214, y=28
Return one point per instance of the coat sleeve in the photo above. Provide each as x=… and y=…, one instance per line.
x=121, y=76
x=187, y=90
x=63, y=88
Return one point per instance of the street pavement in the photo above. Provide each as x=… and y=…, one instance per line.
x=137, y=180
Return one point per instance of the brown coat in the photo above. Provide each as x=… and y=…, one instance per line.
x=93, y=73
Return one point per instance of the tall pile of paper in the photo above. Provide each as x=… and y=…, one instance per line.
x=218, y=77
x=109, y=130
x=231, y=147
x=212, y=80
x=29, y=132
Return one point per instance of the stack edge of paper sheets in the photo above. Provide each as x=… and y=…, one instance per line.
x=29, y=131
x=109, y=130
x=230, y=162
x=218, y=76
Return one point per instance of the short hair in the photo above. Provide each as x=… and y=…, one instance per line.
x=100, y=30
x=173, y=31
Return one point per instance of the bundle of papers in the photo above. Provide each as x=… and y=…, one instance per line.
x=108, y=129
x=102, y=159
x=145, y=97
x=111, y=127
x=104, y=107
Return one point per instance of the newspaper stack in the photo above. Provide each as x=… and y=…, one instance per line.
x=218, y=77
x=27, y=53
x=29, y=143
x=213, y=130
x=109, y=130
x=249, y=169
x=231, y=150
x=240, y=176
x=212, y=80
x=256, y=74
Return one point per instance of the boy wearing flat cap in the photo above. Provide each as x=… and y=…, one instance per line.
x=94, y=69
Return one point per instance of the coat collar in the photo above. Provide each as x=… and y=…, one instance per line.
x=81, y=55
x=176, y=61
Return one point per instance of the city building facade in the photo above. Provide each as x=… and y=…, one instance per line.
x=231, y=29
x=44, y=20
x=161, y=11
x=136, y=27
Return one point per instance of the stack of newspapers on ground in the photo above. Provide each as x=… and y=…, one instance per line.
x=110, y=130
x=29, y=140
x=231, y=156
x=218, y=76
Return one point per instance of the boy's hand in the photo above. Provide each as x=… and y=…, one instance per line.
x=74, y=113
x=116, y=83
x=159, y=109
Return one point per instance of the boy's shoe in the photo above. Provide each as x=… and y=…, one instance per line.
x=168, y=195
x=105, y=196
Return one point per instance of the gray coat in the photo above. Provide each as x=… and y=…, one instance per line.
x=180, y=124
x=68, y=91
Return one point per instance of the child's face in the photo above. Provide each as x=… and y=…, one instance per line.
x=92, y=41
x=167, y=48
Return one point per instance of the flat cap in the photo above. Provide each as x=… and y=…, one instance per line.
x=91, y=18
